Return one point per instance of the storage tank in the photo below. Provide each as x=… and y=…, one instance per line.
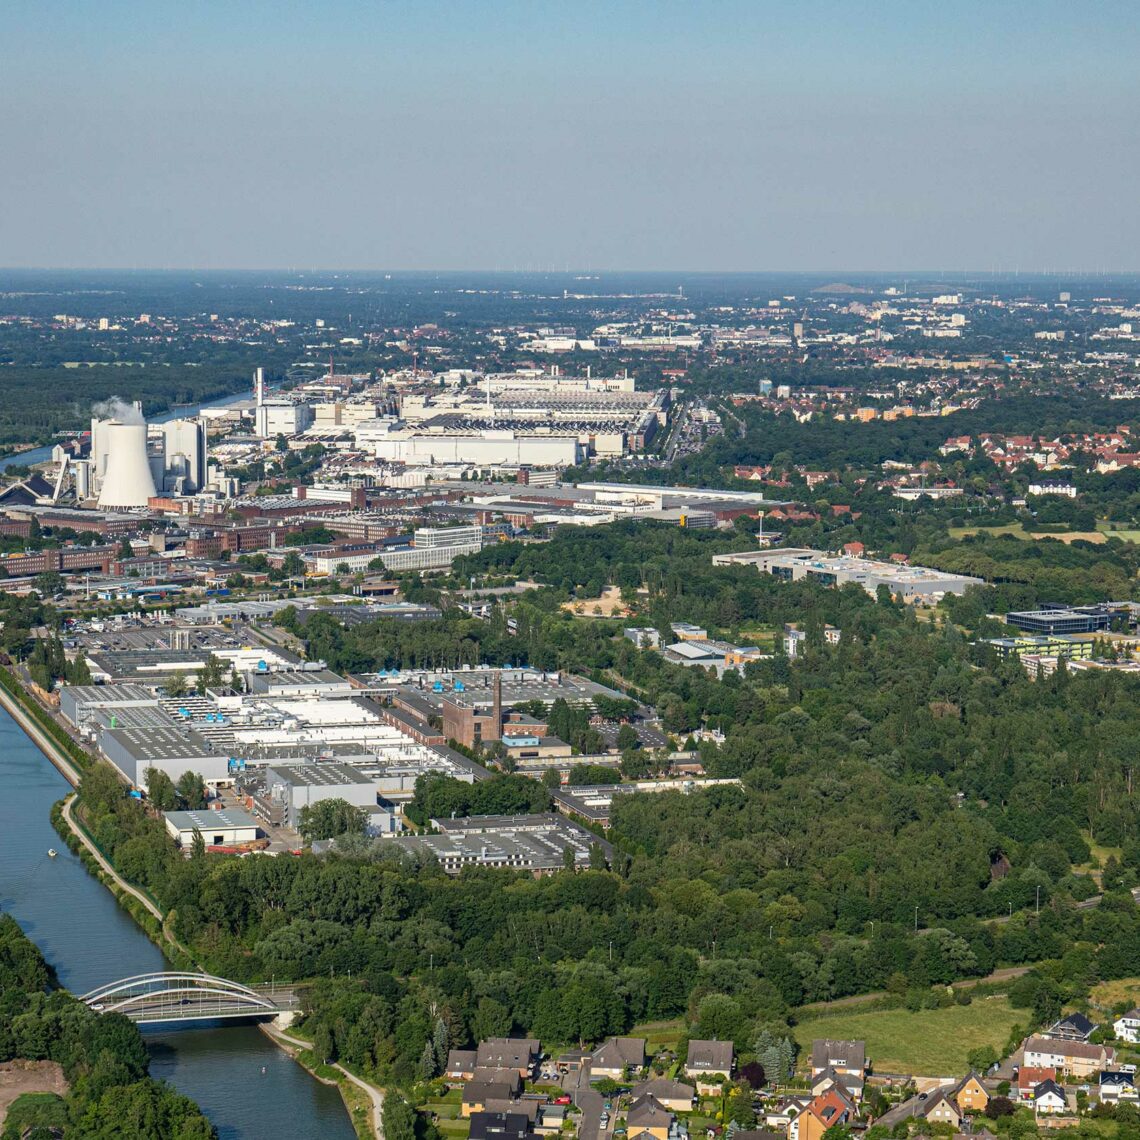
x=127, y=479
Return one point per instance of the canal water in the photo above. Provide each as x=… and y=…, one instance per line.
x=247, y=1086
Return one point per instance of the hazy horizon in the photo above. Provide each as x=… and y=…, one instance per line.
x=642, y=137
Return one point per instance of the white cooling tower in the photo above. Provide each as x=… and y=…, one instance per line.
x=127, y=479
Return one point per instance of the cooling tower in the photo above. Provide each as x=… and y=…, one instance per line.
x=127, y=479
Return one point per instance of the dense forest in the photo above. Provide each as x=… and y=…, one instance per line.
x=102, y=1055
x=905, y=804
x=40, y=401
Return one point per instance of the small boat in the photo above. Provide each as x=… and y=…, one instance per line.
x=51, y=852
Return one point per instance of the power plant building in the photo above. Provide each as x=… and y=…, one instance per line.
x=129, y=466
x=122, y=464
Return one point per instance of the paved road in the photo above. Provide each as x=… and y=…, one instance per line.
x=589, y=1103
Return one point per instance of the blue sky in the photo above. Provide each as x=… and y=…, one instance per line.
x=475, y=134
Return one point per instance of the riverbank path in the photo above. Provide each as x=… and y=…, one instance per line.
x=374, y=1094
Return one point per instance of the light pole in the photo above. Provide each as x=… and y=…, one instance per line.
x=916, y=920
x=1038, y=909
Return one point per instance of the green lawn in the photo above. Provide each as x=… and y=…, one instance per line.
x=932, y=1042
x=659, y=1034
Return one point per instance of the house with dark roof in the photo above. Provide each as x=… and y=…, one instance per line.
x=482, y=1090
x=1117, y=1086
x=1049, y=1099
x=648, y=1116
x=673, y=1095
x=615, y=1055
x=519, y=1053
x=461, y=1065
x=851, y=1083
x=1074, y=1027
x=707, y=1060
x=499, y=1126
x=935, y=1106
x=845, y=1057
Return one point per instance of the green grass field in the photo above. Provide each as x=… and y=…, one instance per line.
x=659, y=1034
x=1112, y=530
x=1016, y=529
x=932, y=1042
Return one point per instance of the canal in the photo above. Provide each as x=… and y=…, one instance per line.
x=247, y=1086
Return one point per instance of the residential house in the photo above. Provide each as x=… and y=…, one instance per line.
x=849, y=1083
x=969, y=1094
x=647, y=1115
x=1127, y=1026
x=673, y=1095
x=1118, y=1086
x=480, y=1091
x=827, y=1111
x=460, y=1065
x=1029, y=1077
x=520, y=1053
x=1074, y=1027
x=499, y=1126
x=615, y=1055
x=1078, y=1058
x=783, y=1113
x=706, y=1061
x=845, y=1057
x=1049, y=1099
x=936, y=1106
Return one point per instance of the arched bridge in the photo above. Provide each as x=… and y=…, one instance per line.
x=152, y=999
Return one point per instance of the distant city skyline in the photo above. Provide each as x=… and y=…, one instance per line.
x=717, y=137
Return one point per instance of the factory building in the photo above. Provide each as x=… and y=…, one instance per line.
x=910, y=583
x=230, y=828
x=278, y=793
x=281, y=418
x=169, y=748
x=535, y=843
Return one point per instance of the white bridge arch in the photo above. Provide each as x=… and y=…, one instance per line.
x=184, y=996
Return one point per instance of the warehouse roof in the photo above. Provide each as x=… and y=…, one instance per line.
x=160, y=743
x=209, y=820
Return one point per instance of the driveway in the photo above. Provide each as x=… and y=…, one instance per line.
x=589, y=1102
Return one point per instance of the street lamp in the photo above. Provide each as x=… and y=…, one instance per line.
x=916, y=919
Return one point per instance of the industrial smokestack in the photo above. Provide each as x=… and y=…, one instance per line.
x=259, y=386
x=127, y=480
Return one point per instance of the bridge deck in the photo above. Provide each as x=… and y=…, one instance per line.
x=151, y=999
